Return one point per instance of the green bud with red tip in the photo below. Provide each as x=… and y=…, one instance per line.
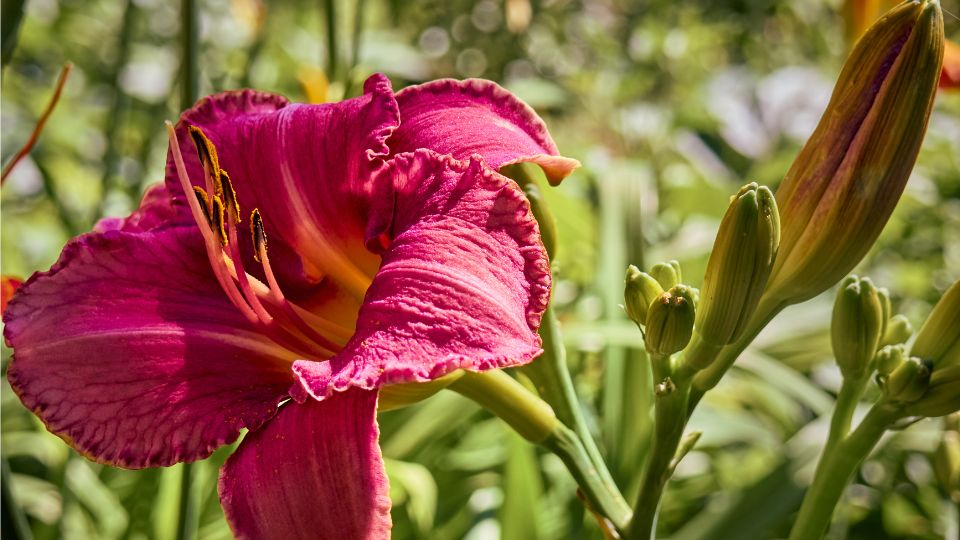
x=670, y=321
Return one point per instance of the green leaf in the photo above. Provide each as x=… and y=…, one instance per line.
x=522, y=491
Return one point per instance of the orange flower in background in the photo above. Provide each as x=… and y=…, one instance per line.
x=860, y=14
x=950, y=76
x=8, y=286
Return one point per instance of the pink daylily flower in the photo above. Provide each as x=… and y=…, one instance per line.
x=384, y=249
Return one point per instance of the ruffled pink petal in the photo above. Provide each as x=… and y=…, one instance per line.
x=314, y=471
x=463, y=284
x=129, y=350
x=476, y=116
x=307, y=168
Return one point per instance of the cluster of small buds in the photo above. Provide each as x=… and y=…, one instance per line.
x=903, y=378
x=938, y=346
x=661, y=305
x=926, y=374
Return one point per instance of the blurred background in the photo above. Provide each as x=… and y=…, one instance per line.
x=670, y=106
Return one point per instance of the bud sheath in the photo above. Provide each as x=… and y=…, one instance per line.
x=844, y=184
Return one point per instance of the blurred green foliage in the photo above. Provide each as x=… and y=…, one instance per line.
x=669, y=105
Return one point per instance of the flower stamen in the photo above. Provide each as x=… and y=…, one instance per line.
x=260, y=254
x=203, y=218
x=207, y=153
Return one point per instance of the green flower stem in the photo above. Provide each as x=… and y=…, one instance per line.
x=710, y=376
x=550, y=373
x=535, y=421
x=670, y=419
x=834, y=473
x=699, y=354
x=552, y=378
x=846, y=404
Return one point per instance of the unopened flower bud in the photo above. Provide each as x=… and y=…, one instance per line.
x=898, y=330
x=639, y=291
x=939, y=338
x=739, y=265
x=888, y=359
x=886, y=304
x=908, y=382
x=670, y=321
x=943, y=395
x=857, y=326
x=843, y=186
x=667, y=274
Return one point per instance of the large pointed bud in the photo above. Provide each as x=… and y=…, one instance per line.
x=639, y=291
x=739, y=265
x=939, y=338
x=670, y=321
x=844, y=184
x=857, y=326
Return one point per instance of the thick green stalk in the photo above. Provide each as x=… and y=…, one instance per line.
x=550, y=372
x=835, y=471
x=503, y=396
x=710, y=376
x=670, y=419
x=535, y=420
x=552, y=378
x=846, y=404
